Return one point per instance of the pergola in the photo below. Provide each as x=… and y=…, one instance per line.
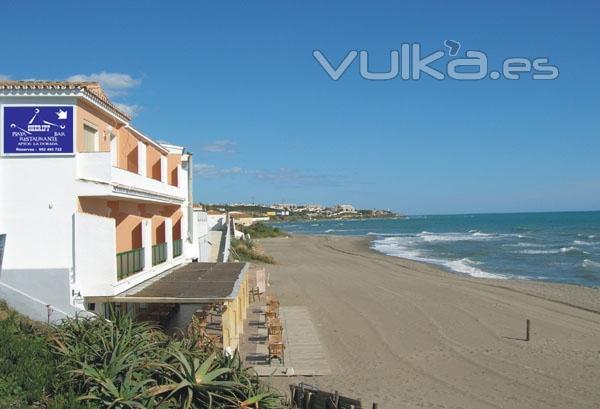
x=198, y=283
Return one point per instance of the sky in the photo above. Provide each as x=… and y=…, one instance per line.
x=237, y=84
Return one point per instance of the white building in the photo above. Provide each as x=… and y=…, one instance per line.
x=345, y=208
x=90, y=205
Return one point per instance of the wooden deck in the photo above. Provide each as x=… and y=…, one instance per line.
x=304, y=355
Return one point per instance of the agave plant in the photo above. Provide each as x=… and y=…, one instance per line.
x=124, y=364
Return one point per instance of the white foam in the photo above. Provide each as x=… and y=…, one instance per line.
x=585, y=243
x=397, y=246
x=572, y=250
x=337, y=230
x=464, y=266
x=590, y=265
x=536, y=252
x=524, y=244
x=431, y=237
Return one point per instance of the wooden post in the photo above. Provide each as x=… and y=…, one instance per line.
x=374, y=405
x=527, y=327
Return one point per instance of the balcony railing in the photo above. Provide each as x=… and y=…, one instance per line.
x=159, y=253
x=177, y=248
x=130, y=262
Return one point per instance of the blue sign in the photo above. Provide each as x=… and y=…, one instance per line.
x=38, y=130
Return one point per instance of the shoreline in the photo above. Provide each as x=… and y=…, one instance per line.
x=513, y=283
x=404, y=333
x=370, y=239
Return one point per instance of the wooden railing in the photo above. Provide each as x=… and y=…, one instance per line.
x=159, y=253
x=129, y=263
x=305, y=396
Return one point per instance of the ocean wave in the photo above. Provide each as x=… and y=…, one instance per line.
x=338, y=230
x=391, y=246
x=572, y=250
x=523, y=244
x=536, y=252
x=465, y=266
x=590, y=265
x=452, y=236
x=585, y=243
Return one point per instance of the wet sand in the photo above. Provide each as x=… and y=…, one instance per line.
x=409, y=335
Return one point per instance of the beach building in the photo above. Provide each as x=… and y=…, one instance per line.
x=94, y=210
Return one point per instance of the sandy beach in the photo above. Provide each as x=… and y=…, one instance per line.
x=409, y=335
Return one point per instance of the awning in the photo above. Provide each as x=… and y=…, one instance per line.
x=192, y=283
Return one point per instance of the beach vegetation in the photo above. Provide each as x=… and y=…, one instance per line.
x=246, y=250
x=262, y=230
x=120, y=363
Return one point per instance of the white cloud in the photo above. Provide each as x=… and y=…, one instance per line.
x=277, y=176
x=133, y=110
x=220, y=146
x=113, y=83
x=4, y=77
x=296, y=177
x=206, y=170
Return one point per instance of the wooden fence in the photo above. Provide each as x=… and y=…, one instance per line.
x=310, y=397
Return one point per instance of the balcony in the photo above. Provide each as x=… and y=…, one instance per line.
x=177, y=248
x=129, y=263
x=159, y=253
x=108, y=180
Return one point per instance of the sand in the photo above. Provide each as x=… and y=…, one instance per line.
x=409, y=335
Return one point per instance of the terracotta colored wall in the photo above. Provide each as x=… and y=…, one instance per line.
x=127, y=151
x=177, y=224
x=92, y=205
x=87, y=113
x=158, y=230
x=173, y=160
x=153, y=162
x=129, y=225
x=128, y=217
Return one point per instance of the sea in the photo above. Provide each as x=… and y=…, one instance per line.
x=556, y=247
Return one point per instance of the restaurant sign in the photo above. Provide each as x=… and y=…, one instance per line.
x=37, y=130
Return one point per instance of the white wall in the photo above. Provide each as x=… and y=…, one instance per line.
x=37, y=201
x=216, y=221
x=202, y=237
x=95, y=254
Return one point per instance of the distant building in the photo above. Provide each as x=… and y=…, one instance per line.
x=345, y=208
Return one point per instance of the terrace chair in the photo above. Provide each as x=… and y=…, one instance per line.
x=254, y=292
x=276, y=351
x=270, y=314
x=275, y=328
x=276, y=339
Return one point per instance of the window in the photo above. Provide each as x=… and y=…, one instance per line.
x=91, y=140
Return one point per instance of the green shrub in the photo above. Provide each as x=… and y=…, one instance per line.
x=125, y=364
x=96, y=363
x=244, y=250
x=27, y=366
x=261, y=230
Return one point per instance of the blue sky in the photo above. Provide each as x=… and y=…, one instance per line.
x=236, y=83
